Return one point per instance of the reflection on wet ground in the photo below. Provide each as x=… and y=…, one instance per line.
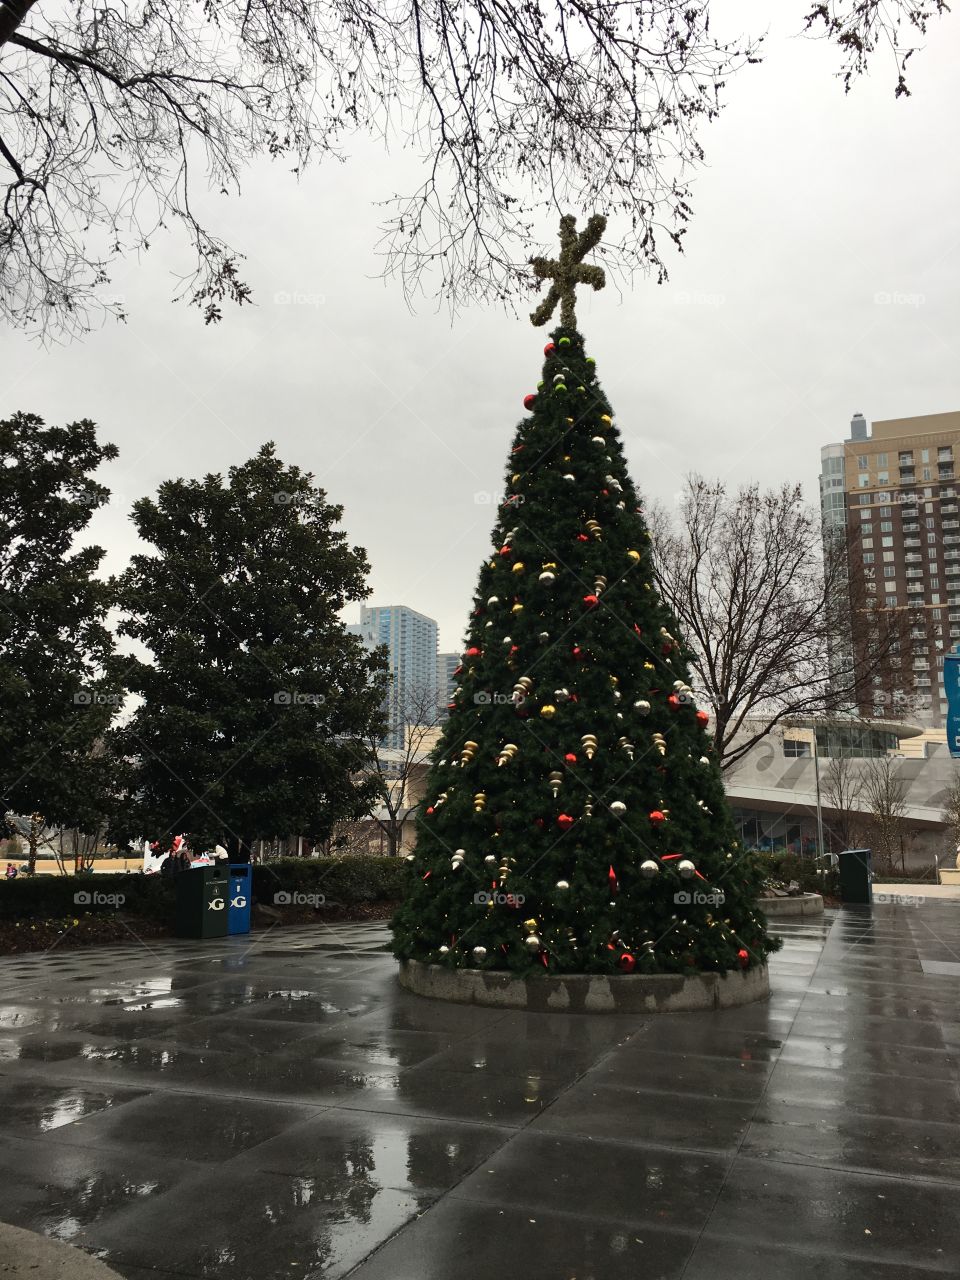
x=283, y=1109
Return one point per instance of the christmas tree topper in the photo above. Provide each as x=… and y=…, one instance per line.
x=569, y=270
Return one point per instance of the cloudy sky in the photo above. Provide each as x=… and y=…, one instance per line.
x=820, y=277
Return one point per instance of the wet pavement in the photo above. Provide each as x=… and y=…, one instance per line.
x=279, y=1108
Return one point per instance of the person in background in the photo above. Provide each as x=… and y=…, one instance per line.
x=11, y=871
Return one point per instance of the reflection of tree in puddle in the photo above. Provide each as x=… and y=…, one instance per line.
x=89, y=1199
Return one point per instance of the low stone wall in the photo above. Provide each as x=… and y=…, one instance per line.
x=802, y=904
x=587, y=993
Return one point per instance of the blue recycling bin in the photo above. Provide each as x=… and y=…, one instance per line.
x=240, y=888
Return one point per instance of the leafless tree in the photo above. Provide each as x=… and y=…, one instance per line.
x=114, y=117
x=842, y=786
x=413, y=719
x=885, y=793
x=860, y=26
x=951, y=816
x=775, y=619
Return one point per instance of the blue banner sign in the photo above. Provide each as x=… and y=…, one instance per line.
x=951, y=687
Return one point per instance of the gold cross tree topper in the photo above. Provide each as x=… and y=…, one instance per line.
x=569, y=270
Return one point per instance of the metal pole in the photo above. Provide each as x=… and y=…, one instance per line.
x=816, y=775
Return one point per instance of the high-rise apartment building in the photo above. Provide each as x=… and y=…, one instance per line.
x=411, y=641
x=892, y=492
x=447, y=663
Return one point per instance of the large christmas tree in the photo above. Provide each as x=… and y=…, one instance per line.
x=575, y=818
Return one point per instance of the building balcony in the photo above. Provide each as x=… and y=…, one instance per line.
x=951, y=555
x=915, y=542
x=913, y=587
x=911, y=528
x=952, y=569
x=909, y=513
x=913, y=558
x=914, y=573
x=951, y=524
x=945, y=453
x=949, y=508
x=905, y=459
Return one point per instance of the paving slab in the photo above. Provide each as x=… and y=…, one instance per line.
x=276, y=1107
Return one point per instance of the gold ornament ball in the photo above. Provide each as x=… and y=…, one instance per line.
x=548, y=710
x=533, y=943
x=517, y=608
x=634, y=556
x=518, y=567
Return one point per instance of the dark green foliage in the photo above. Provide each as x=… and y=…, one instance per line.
x=59, y=687
x=256, y=701
x=39, y=897
x=785, y=867
x=566, y=470
x=342, y=881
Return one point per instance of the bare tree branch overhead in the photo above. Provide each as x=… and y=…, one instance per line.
x=115, y=117
x=770, y=613
x=860, y=27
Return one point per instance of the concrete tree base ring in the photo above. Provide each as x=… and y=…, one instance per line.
x=587, y=992
x=801, y=904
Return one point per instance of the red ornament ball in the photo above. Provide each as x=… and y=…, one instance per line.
x=582, y=537
x=657, y=816
x=577, y=651
x=743, y=957
x=549, y=349
x=529, y=400
x=703, y=717
x=591, y=601
x=570, y=758
x=673, y=701
x=473, y=652
x=627, y=962
x=564, y=821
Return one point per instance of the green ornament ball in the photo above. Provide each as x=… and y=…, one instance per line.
x=564, y=342
x=590, y=360
x=560, y=389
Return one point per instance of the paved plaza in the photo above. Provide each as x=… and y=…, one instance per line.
x=276, y=1107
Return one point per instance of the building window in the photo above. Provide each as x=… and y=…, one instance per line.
x=935, y=598
x=932, y=553
x=924, y=455
x=889, y=555
x=863, y=479
x=868, y=542
x=886, y=512
x=889, y=570
x=796, y=750
x=931, y=537
x=862, y=461
x=886, y=542
x=883, y=477
x=925, y=474
x=929, y=522
x=868, y=557
x=883, y=497
x=864, y=499
x=937, y=614
x=891, y=602
x=866, y=528
x=886, y=526
x=881, y=459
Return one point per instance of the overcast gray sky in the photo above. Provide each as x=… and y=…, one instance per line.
x=772, y=331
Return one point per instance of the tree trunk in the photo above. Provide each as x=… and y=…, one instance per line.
x=36, y=826
x=12, y=14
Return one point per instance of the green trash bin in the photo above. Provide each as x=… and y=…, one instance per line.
x=202, y=903
x=856, y=877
